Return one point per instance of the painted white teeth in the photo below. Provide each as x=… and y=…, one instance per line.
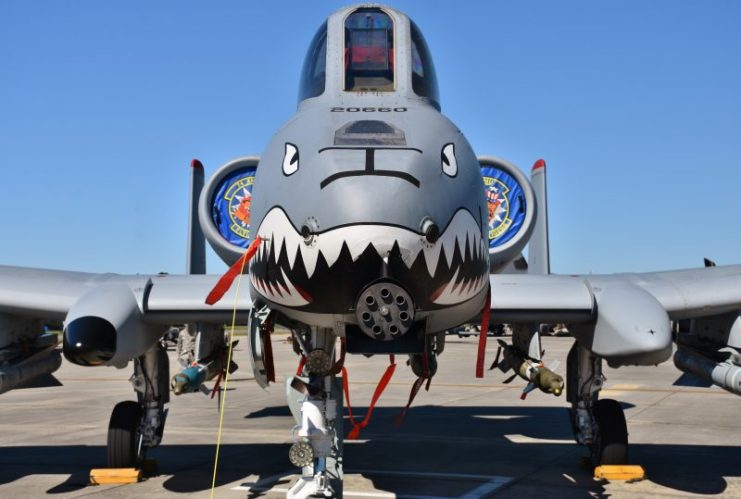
x=356, y=250
x=293, y=298
x=285, y=294
x=453, y=282
x=432, y=255
x=309, y=255
x=271, y=291
x=292, y=242
x=462, y=230
x=278, y=245
x=461, y=242
x=331, y=252
x=458, y=292
x=469, y=285
x=448, y=243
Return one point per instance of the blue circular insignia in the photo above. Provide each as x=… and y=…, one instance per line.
x=506, y=202
x=230, y=208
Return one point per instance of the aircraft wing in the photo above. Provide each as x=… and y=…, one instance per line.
x=162, y=298
x=553, y=298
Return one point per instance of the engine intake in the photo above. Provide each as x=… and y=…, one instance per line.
x=225, y=206
x=89, y=341
x=511, y=210
x=106, y=325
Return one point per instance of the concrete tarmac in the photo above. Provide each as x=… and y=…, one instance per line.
x=465, y=438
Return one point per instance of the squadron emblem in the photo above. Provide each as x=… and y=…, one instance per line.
x=232, y=205
x=498, y=201
x=239, y=197
x=506, y=205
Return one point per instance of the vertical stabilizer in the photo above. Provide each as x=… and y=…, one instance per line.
x=539, y=257
x=196, y=257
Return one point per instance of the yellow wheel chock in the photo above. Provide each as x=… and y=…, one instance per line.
x=620, y=472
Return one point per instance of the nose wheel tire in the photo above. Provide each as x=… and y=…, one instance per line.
x=611, y=445
x=123, y=435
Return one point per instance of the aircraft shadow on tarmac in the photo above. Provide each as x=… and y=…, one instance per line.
x=466, y=440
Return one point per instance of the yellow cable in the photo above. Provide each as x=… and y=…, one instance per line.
x=226, y=377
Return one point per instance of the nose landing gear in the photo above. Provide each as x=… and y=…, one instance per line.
x=315, y=400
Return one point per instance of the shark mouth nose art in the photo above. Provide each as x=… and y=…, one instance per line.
x=332, y=267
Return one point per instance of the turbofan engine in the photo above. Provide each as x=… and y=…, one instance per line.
x=512, y=210
x=224, y=208
x=106, y=326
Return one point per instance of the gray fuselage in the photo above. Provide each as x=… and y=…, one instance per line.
x=367, y=186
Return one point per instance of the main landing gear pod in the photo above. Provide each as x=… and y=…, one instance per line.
x=512, y=210
x=224, y=208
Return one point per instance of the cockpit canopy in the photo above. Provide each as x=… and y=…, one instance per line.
x=314, y=71
x=369, y=51
x=369, y=57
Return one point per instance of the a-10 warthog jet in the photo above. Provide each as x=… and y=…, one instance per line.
x=374, y=228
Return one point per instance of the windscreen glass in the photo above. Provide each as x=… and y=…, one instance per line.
x=369, y=51
x=424, y=81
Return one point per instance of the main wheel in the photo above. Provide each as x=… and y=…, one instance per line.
x=123, y=435
x=611, y=446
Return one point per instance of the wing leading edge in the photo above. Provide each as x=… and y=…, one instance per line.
x=162, y=299
x=574, y=299
x=624, y=318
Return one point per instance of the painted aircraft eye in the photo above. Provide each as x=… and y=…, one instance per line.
x=290, y=159
x=450, y=165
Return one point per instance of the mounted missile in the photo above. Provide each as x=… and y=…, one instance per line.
x=188, y=380
x=191, y=378
x=531, y=371
x=45, y=359
x=726, y=374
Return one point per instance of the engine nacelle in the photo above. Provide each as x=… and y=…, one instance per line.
x=224, y=208
x=106, y=326
x=512, y=210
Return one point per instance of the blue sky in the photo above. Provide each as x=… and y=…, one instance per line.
x=636, y=106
